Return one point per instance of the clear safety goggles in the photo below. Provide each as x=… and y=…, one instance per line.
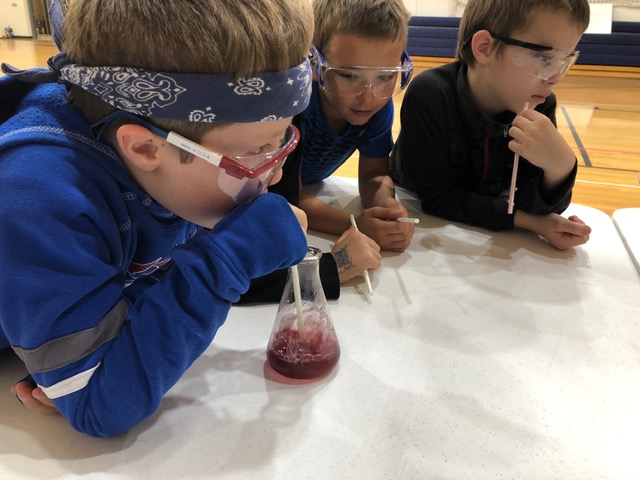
x=351, y=81
x=541, y=61
x=242, y=178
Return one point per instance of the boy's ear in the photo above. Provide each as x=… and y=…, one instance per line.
x=139, y=145
x=481, y=43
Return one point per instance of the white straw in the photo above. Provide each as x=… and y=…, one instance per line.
x=514, y=174
x=297, y=297
x=365, y=273
x=408, y=220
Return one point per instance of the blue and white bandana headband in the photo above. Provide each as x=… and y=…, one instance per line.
x=219, y=98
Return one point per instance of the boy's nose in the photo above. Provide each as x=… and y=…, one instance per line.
x=554, y=79
x=276, y=178
x=366, y=92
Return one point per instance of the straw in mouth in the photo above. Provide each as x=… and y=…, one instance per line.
x=514, y=174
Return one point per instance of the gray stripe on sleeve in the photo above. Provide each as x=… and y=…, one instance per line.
x=70, y=348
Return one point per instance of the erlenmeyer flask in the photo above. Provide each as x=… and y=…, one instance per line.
x=305, y=348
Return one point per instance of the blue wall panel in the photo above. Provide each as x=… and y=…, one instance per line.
x=437, y=37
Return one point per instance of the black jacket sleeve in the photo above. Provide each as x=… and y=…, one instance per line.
x=269, y=288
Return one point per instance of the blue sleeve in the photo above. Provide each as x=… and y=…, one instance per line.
x=62, y=282
x=379, y=138
x=173, y=322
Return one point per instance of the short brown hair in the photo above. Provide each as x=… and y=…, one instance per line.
x=199, y=36
x=503, y=17
x=379, y=19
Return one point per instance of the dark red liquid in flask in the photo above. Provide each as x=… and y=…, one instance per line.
x=310, y=354
x=303, y=343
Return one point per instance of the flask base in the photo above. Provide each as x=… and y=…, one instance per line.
x=275, y=376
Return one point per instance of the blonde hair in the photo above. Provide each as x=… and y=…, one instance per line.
x=377, y=19
x=198, y=36
x=503, y=17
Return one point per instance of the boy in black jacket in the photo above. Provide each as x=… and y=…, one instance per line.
x=463, y=122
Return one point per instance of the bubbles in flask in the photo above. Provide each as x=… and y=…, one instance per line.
x=306, y=347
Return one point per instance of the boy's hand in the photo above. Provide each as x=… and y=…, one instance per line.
x=354, y=253
x=562, y=233
x=34, y=399
x=379, y=224
x=301, y=216
x=539, y=141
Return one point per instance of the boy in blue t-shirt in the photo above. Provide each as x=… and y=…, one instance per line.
x=360, y=63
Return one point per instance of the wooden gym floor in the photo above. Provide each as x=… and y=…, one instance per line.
x=598, y=113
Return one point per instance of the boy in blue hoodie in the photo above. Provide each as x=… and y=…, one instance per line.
x=133, y=204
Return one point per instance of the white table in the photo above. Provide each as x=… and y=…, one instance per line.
x=481, y=355
x=627, y=222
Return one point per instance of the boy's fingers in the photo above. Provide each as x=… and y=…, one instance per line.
x=346, y=233
x=39, y=395
x=575, y=226
x=386, y=212
x=586, y=228
x=24, y=391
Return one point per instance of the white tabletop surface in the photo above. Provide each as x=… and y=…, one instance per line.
x=627, y=222
x=480, y=355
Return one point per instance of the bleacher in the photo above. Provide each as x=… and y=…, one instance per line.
x=437, y=37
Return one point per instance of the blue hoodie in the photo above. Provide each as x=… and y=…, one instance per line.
x=107, y=296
